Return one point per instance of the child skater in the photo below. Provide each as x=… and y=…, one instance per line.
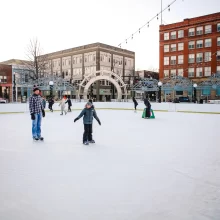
x=88, y=113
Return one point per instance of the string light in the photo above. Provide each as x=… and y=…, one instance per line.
x=147, y=23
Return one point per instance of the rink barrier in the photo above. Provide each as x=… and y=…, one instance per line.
x=215, y=113
x=13, y=108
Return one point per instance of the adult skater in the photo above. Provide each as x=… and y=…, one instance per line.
x=69, y=104
x=63, y=106
x=44, y=102
x=36, y=111
x=88, y=113
x=135, y=103
x=148, y=107
x=51, y=102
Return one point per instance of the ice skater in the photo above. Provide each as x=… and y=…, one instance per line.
x=51, y=102
x=148, y=107
x=135, y=104
x=63, y=105
x=88, y=113
x=69, y=104
x=36, y=111
x=44, y=102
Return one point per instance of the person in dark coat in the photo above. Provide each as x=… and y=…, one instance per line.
x=69, y=104
x=88, y=113
x=148, y=107
x=51, y=102
x=135, y=103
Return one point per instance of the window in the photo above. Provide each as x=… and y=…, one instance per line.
x=191, y=44
x=180, y=72
x=218, y=27
x=199, y=72
x=85, y=59
x=173, y=60
x=3, y=79
x=166, y=36
x=173, y=73
x=94, y=57
x=173, y=35
x=173, y=47
x=180, y=59
x=179, y=92
x=191, y=72
x=180, y=46
x=166, y=60
x=74, y=60
x=199, y=57
x=199, y=30
x=199, y=43
x=166, y=48
x=208, y=56
x=208, y=42
x=208, y=71
x=218, y=69
x=191, y=32
x=218, y=41
x=218, y=56
x=166, y=73
x=191, y=58
x=208, y=29
x=180, y=33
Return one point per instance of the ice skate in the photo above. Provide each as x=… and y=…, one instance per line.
x=36, y=139
x=41, y=138
x=92, y=142
x=86, y=143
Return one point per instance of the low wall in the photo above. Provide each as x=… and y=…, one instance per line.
x=179, y=107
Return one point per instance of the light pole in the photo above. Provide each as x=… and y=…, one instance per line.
x=195, y=95
x=14, y=88
x=159, y=91
x=51, y=89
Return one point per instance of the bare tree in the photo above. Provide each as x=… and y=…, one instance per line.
x=36, y=62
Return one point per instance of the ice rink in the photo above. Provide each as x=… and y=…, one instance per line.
x=162, y=169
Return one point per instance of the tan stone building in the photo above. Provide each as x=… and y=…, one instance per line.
x=75, y=63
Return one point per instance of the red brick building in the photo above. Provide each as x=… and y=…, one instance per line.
x=191, y=48
x=6, y=82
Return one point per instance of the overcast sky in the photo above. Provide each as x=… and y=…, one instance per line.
x=69, y=23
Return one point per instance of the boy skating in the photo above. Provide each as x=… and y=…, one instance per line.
x=88, y=113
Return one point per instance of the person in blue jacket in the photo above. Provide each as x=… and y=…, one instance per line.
x=88, y=113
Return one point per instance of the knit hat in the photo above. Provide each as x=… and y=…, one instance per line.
x=35, y=89
x=89, y=103
x=90, y=100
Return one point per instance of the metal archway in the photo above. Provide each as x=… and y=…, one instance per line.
x=112, y=77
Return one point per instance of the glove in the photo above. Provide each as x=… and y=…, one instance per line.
x=43, y=113
x=99, y=122
x=32, y=116
x=75, y=119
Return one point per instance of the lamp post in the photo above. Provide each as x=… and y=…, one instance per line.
x=14, y=88
x=51, y=89
x=194, y=90
x=159, y=91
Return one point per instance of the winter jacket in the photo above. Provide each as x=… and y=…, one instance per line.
x=88, y=114
x=44, y=103
x=69, y=102
x=147, y=103
x=62, y=104
x=35, y=104
x=135, y=101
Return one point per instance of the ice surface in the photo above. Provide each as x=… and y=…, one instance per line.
x=162, y=169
